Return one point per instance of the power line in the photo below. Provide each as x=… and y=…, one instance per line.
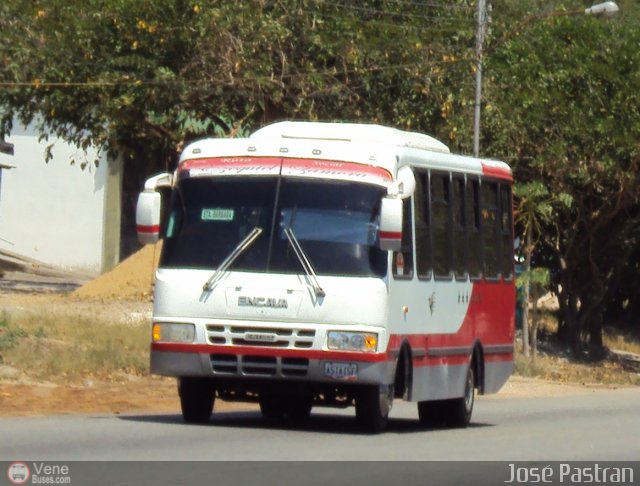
x=38, y=84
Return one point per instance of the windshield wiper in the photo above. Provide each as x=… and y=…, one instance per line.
x=237, y=251
x=304, y=261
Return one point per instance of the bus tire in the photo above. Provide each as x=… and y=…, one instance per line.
x=299, y=408
x=433, y=413
x=373, y=403
x=272, y=406
x=197, y=397
x=460, y=409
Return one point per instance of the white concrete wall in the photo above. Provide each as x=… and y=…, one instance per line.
x=52, y=212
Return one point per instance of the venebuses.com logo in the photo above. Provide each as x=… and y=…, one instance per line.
x=18, y=473
x=39, y=473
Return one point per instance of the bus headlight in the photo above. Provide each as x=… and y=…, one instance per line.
x=173, y=332
x=352, y=341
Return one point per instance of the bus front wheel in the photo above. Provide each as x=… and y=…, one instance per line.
x=373, y=403
x=299, y=408
x=197, y=397
x=272, y=407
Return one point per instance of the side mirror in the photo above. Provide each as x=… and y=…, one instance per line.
x=148, y=217
x=390, y=224
x=404, y=185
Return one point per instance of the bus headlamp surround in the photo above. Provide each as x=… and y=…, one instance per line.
x=352, y=341
x=170, y=332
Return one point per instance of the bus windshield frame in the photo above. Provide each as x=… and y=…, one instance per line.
x=336, y=223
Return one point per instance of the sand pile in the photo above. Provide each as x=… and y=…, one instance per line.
x=132, y=279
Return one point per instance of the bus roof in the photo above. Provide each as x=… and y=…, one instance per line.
x=350, y=132
x=366, y=144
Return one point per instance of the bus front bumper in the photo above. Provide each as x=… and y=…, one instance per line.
x=311, y=366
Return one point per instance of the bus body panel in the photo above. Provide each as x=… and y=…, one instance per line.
x=179, y=294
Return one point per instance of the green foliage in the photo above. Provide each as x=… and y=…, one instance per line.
x=9, y=334
x=539, y=278
x=564, y=91
x=139, y=78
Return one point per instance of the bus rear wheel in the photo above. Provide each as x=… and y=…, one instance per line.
x=373, y=403
x=433, y=413
x=197, y=397
x=460, y=409
x=455, y=412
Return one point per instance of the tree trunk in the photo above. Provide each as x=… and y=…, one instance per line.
x=596, y=344
x=528, y=249
x=569, y=331
x=534, y=327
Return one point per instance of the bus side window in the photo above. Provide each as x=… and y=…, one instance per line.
x=489, y=227
x=472, y=221
x=441, y=224
x=459, y=229
x=402, y=264
x=423, y=224
x=506, y=230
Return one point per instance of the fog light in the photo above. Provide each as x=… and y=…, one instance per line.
x=173, y=332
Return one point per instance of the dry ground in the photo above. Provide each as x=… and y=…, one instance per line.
x=156, y=395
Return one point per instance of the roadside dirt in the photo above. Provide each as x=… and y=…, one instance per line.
x=159, y=395
x=124, y=294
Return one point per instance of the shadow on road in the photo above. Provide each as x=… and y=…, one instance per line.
x=320, y=422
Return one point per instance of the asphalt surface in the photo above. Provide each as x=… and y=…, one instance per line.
x=597, y=426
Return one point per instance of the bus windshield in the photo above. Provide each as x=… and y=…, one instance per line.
x=335, y=223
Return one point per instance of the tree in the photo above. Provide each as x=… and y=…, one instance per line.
x=139, y=78
x=533, y=211
x=565, y=105
x=537, y=282
x=124, y=73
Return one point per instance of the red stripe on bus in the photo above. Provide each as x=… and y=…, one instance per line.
x=262, y=351
x=496, y=171
x=230, y=162
x=148, y=229
x=336, y=167
x=390, y=235
x=317, y=167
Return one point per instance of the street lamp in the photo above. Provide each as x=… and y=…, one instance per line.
x=605, y=9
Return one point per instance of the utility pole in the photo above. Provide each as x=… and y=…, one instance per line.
x=480, y=33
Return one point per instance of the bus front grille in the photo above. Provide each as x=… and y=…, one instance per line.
x=255, y=365
x=263, y=337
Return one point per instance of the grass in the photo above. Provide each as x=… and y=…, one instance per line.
x=565, y=370
x=556, y=364
x=71, y=348
x=67, y=348
x=622, y=340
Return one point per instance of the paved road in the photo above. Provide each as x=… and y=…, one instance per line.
x=598, y=426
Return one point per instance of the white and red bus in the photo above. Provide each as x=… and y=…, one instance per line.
x=332, y=264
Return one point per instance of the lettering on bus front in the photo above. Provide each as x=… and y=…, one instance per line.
x=245, y=301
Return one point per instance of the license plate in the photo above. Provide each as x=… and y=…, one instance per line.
x=260, y=337
x=341, y=371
